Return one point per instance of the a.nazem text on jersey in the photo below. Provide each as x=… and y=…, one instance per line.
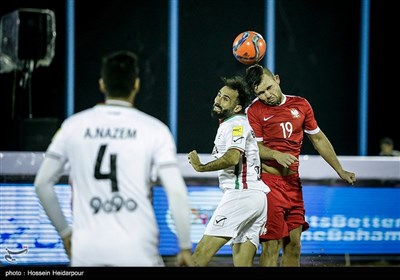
x=110, y=132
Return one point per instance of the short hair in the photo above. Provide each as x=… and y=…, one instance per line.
x=254, y=75
x=387, y=140
x=239, y=84
x=119, y=72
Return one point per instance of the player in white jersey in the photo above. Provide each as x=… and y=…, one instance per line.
x=240, y=216
x=112, y=149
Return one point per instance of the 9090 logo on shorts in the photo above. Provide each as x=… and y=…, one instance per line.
x=115, y=204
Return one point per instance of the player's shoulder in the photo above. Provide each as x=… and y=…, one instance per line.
x=133, y=113
x=396, y=153
x=297, y=99
x=77, y=117
x=255, y=104
x=236, y=121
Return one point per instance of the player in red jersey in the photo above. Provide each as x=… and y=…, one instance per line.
x=279, y=122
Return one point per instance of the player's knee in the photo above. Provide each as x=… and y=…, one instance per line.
x=293, y=248
x=271, y=247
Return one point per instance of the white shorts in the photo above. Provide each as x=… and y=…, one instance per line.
x=241, y=215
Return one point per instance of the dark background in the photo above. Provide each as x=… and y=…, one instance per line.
x=317, y=57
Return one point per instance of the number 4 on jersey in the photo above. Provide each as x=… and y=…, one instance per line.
x=112, y=175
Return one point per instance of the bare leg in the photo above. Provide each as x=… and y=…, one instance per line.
x=270, y=252
x=243, y=253
x=207, y=248
x=292, y=248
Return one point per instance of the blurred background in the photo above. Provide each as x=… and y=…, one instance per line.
x=317, y=55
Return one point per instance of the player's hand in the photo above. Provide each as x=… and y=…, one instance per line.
x=349, y=177
x=194, y=160
x=67, y=245
x=285, y=159
x=184, y=258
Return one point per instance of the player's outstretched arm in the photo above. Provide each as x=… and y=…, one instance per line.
x=184, y=258
x=230, y=158
x=324, y=147
x=284, y=159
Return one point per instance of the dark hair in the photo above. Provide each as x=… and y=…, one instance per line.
x=239, y=84
x=119, y=72
x=387, y=140
x=254, y=74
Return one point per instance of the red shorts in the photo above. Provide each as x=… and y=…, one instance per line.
x=285, y=206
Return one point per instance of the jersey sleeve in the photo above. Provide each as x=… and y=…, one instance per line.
x=165, y=149
x=57, y=147
x=310, y=123
x=235, y=136
x=254, y=120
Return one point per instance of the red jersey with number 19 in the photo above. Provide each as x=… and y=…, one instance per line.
x=281, y=127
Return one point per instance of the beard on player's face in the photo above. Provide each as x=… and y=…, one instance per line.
x=219, y=113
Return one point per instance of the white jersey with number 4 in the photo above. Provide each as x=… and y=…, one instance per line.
x=111, y=150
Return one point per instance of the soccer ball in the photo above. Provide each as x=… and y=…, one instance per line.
x=249, y=47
